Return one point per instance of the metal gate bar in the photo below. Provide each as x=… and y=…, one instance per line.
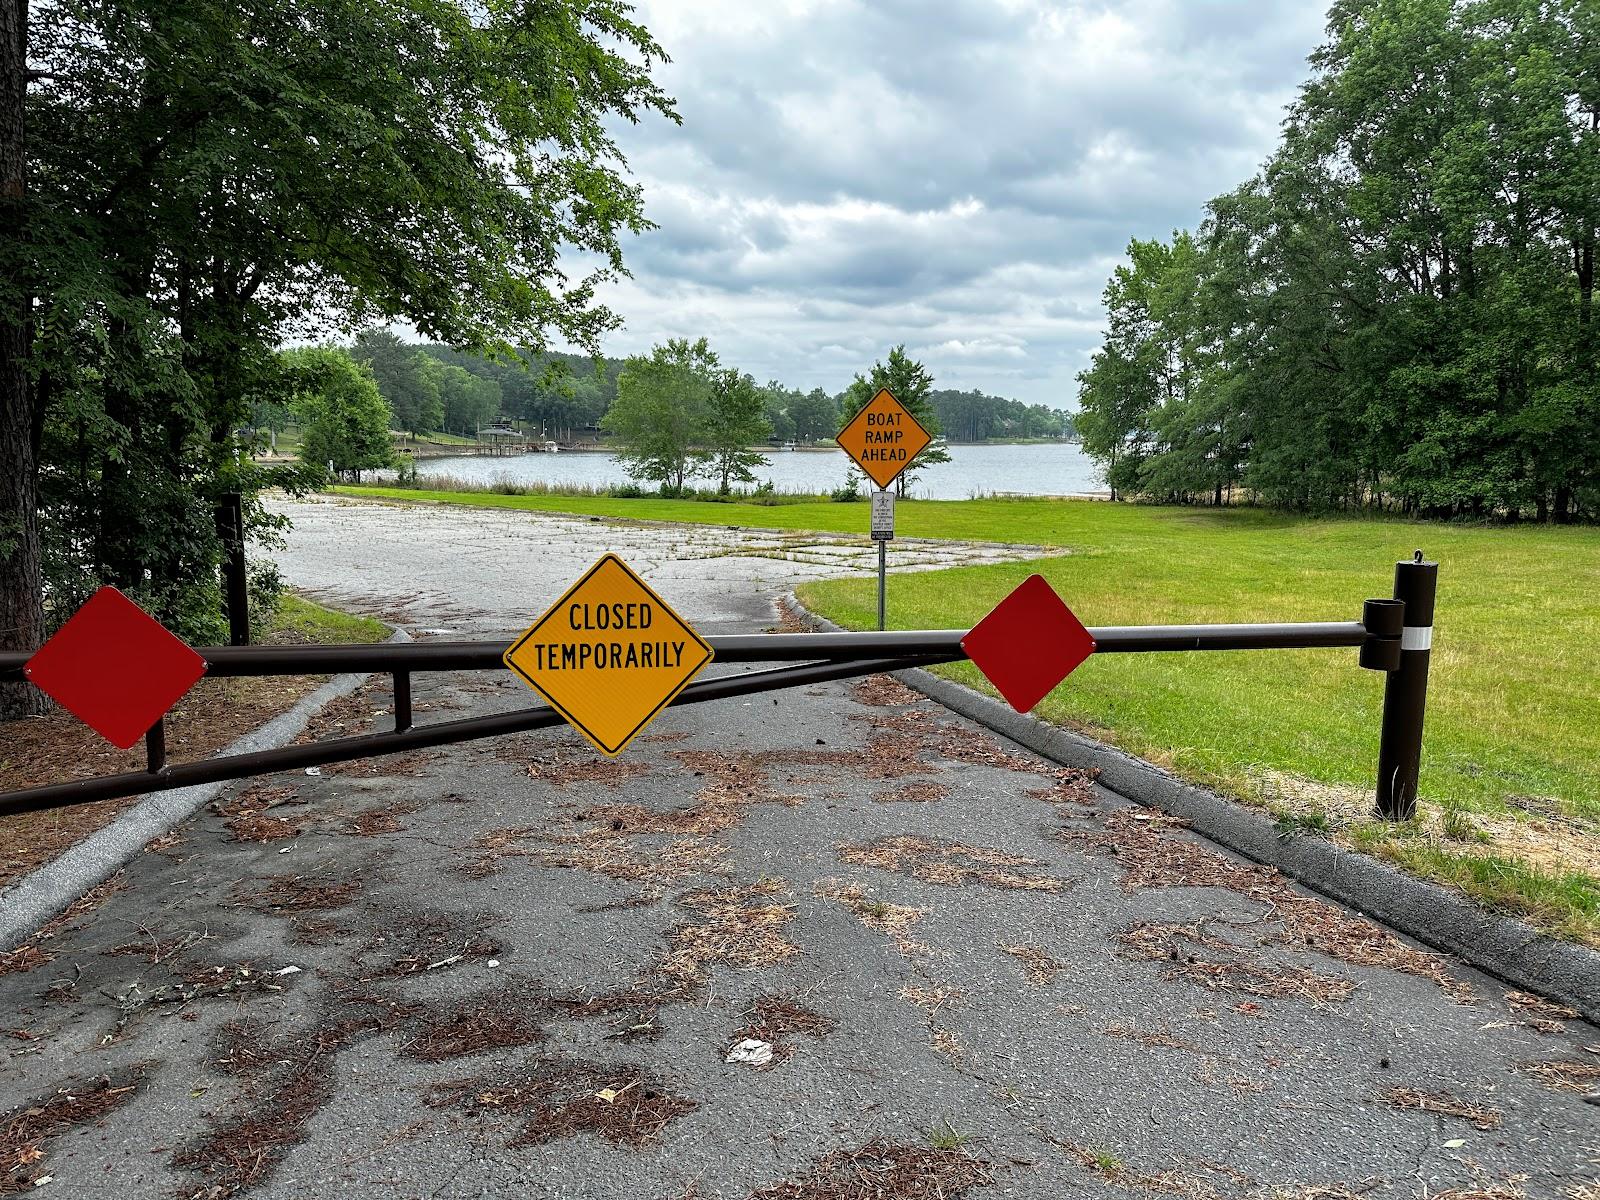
x=1390, y=636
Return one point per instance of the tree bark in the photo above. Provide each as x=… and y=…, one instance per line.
x=21, y=604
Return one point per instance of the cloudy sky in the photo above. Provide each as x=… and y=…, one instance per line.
x=957, y=175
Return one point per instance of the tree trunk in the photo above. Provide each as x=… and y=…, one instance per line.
x=21, y=608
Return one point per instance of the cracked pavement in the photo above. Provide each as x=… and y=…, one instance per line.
x=521, y=967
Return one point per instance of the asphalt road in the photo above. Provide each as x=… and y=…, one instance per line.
x=520, y=969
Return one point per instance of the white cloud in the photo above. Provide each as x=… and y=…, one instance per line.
x=960, y=177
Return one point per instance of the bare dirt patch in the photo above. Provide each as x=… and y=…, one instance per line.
x=1441, y=1103
x=27, y=1132
x=950, y=864
x=561, y=1098
x=880, y=1170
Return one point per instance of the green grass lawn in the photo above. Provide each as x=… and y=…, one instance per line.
x=1511, y=768
x=302, y=620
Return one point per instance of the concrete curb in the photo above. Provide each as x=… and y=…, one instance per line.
x=1502, y=946
x=44, y=893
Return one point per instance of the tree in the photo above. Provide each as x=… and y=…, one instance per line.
x=405, y=379
x=344, y=419
x=466, y=401
x=1398, y=311
x=912, y=385
x=776, y=401
x=815, y=415
x=662, y=408
x=21, y=614
x=734, y=422
x=207, y=179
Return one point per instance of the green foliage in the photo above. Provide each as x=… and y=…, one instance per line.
x=344, y=421
x=680, y=413
x=1398, y=311
x=815, y=415
x=976, y=417
x=207, y=180
x=403, y=375
x=734, y=422
x=662, y=408
x=912, y=385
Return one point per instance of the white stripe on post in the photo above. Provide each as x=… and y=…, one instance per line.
x=1416, y=637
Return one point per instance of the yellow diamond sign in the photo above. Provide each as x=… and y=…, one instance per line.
x=883, y=438
x=609, y=655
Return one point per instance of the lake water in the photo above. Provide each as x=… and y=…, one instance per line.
x=1053, y=469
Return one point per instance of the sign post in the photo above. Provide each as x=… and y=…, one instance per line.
x=882, y=439
x=882, y=533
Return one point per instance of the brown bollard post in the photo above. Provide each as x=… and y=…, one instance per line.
x=1405, y=693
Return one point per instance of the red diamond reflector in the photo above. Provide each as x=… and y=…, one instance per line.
x=1028, y=644
x=115, y=668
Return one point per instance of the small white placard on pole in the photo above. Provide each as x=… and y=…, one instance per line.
x=883, y=516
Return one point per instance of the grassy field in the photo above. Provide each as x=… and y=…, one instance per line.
x=1511, y=772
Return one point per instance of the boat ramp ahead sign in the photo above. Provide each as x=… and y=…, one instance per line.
x=883, y=438
x=609, y=655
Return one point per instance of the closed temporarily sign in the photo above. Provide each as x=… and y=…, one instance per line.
x=609, y=655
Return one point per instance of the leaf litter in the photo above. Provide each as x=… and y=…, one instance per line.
x=880, y=1170
x=949, y=863
x=1147, y=858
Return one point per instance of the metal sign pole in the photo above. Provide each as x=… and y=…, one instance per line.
x=883, y=567
x=882, y=531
